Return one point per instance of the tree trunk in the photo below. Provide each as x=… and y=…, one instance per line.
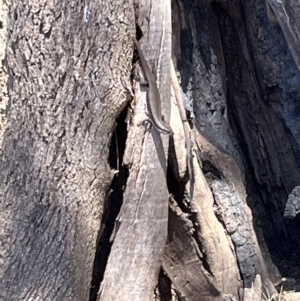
x=68, y=66
x=94, y=209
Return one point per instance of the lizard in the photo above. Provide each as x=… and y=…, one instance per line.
x=153, y=99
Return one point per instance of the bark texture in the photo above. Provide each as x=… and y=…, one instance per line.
x=69, y=66
x=241, y=82
x=3, y=73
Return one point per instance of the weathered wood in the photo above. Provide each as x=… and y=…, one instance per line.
x=136, y=254
x=288, y=13
x=237, y=220
x=253, y=293
x=187, y=132
x=183, y=260
x=231, y=208
x=69, y=67
x=242, y=145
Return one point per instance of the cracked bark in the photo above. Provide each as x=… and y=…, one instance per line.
x=69, y=67
x=66, y=87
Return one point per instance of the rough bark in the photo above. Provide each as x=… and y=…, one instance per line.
x=292, y=207
x=69, y=68
x=3, y=74
x=262, y=98
x=239, y=77
x=69, y=78
x=221, y=165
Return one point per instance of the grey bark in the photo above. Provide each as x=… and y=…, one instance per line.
x=68, y=77
x=136, y=254
x=292, y=206
x=3, y=74
x=69, y=70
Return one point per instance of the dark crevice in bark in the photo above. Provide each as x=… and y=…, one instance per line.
x=164, y=286
x=113, y=203
x=177, y=189
x=293, y=143
x=266, y=195
x=268, y=94
x=175, y=186
x=210, y=171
